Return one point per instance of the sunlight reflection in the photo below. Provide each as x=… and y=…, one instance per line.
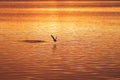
x=34, y=10
x=53, y=27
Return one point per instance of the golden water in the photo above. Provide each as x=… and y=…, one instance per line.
x=88, y=46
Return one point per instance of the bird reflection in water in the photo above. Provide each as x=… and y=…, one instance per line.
x=54, y=46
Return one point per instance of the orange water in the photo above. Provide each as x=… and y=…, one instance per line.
x=88, y=44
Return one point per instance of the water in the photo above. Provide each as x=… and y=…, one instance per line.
x=88, y=44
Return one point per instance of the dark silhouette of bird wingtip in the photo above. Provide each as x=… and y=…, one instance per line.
x=54, y=39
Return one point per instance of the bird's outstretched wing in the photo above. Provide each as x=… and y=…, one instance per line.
x=54, y=38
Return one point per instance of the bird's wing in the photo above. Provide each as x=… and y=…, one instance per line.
x=52, y=37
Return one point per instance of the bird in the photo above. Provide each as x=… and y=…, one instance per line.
x=54, y=39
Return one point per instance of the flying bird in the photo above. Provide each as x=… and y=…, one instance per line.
x=54, y=39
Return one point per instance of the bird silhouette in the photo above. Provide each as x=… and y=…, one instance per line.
x=54, y=39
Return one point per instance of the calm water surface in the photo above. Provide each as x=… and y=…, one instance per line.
x=88, y=46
